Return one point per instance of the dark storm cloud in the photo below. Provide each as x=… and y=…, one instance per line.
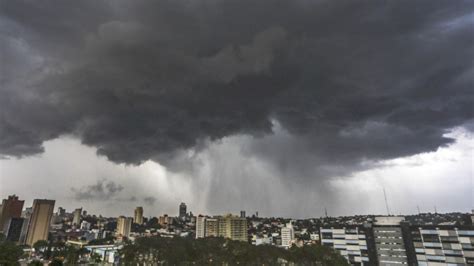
x=102, y=190
x=149, y=200
x=349, y=83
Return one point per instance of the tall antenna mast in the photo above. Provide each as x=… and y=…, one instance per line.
x=386, y=202
x=418, y=208
x=326, y=212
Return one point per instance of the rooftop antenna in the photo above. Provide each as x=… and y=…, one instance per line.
x=418, y=208
x=386, y=202
x=436, y=210
x=326, y=212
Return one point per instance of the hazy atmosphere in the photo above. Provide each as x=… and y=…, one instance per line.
x=280, y=107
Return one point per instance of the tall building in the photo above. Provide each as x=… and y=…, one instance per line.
x=138, y=218
x=200, y=226
x=124, y=226
x=40, y=219
x=212, y=227
x=13, y=230
x=76, y=220
x=242, y=214
x=61, y=211
x=233, y=227
x=350, y=242
x=182, y=210
x=228, y=226
x=11, y=208
x=389, y=241
x=443, y=245
x=287, y=235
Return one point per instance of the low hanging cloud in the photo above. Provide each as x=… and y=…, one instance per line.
x=317, y=88
x=102, y=190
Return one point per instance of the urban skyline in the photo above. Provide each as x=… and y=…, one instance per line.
x=420, y=239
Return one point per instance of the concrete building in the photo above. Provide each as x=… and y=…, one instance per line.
x=233, y=227
x=350, y=242
x=10, y=208
x=287, y=235
x=124, y=226
x=389, y=240
x=85, y=225
x=40, y=219
x=182, y=211
x=212, y=227
x=228, y=226
x=138, y=217
x=443, y=245
x=13, y=229
x=200, y=227
x=76, y=220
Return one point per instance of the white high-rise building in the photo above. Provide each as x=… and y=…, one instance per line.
x=200, y=227
x=287, y=235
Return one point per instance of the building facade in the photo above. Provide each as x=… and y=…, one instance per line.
x=76, y=220
x=138, y=217
x=40, y=220
x=10, y=208
x=287, y=235
x=350, y=242
x=124, y=226
x=182, y=210
x=443, y=245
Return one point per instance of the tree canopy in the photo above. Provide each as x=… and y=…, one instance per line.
x=185, y=251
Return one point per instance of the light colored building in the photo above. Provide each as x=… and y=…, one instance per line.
x=124, y=226
x=138, y=218
x=77, y=217
x=40, y=219
x=350, y=242
x=233, y=227
x=85, y=225
x=212, y=227
x=389, y=243
x=200, y=227
x=444, y=245
x=287, y=235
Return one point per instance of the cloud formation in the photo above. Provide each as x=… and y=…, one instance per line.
x=102, y=190
x=323, y=88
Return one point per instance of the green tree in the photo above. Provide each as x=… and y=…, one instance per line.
x=9, y=253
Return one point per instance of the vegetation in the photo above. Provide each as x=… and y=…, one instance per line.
x=9, y=252
x=219, y=251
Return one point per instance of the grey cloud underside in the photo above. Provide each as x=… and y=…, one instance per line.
x=348, y=82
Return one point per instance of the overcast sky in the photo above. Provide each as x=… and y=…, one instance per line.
x=282, y=107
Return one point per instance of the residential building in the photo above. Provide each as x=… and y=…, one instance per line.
x=38, y=227
x=443, y=245
x=350, y=242
x=201, y=226
x=10, y=208
x=287, y=235
x=13, y=230
x=182, y=211
x=77, y=217
x=389, y=240
x=138, y=218
x=233, y=227
x=124, y=226
x=212, y=227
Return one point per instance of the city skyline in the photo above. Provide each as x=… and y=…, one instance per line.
x=321, y=105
